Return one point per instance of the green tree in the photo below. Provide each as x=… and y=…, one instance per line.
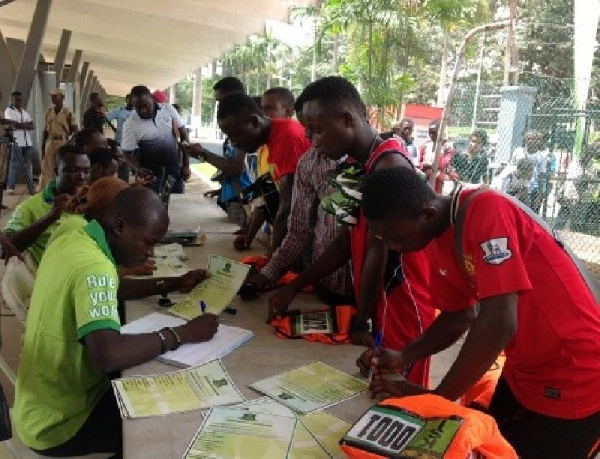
x=391, y=49
x=208, y=99
x=183, y=93
x=370, y=29
x=546, y=39
x=113, y=102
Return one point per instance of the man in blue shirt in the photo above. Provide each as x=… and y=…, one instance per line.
x=544, y=166
x=120, y=115
x=234, y=177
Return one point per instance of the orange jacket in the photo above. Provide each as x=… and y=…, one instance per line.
x=425, y=426
x=480, y=393
x=259, y=261
x=340, y=333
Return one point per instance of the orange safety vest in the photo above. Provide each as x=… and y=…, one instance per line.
x=257, y=262
x=334, y=321
x=425, y=426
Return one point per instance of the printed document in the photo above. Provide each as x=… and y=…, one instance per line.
x=195, y=388
x=218, y=291
x=311, y=387
x=226, y=340
x=228, y=432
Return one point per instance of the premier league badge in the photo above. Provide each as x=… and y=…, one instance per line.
x=496, y=251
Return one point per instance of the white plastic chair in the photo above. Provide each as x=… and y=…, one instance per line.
x=17, y=285
x=16, y=288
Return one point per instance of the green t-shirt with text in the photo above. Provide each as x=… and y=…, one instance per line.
x=30, y=211
x=75, y=294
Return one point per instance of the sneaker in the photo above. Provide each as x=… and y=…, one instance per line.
x=10, y=191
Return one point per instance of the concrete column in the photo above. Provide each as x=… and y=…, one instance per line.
x=197, y=98
x=84, y=72
x=85, y=93
x=70, y=96
x=515, y=107
x=7, y=72
x=47, y=81
x=33, y=46
x=76, y=98
x=37, y=103
x=171, y=94
x=61, y=55
x=75, y=66
x=94, y=87
x=15, y=47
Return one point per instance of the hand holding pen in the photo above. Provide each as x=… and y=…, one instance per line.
x=384, y=361
x=201, y=328
x=377, y=360
x=375, y=354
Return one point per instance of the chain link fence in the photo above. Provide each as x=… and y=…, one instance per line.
x=547, y=154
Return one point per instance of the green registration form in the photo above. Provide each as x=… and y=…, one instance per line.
x=218, y=291
x=326, y=429
x=173, y=250
x=317, y=435
x=166, y=267
x=311, y=387
x=229, y=432
x=194, y=388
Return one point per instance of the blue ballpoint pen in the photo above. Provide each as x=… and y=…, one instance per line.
x=378, y=340
x=202, y=307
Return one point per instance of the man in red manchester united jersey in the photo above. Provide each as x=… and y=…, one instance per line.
x=534, y=303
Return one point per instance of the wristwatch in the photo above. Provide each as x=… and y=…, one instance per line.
x=359, y=326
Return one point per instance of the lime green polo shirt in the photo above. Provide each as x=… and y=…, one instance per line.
x=30, y=211
x=75, y=294
x=66, y=224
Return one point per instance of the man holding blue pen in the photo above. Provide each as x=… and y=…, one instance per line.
x=536, y=302
x=64, y=405
x=390, y=290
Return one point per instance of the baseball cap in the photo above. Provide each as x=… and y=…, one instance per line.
x=160, y=96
